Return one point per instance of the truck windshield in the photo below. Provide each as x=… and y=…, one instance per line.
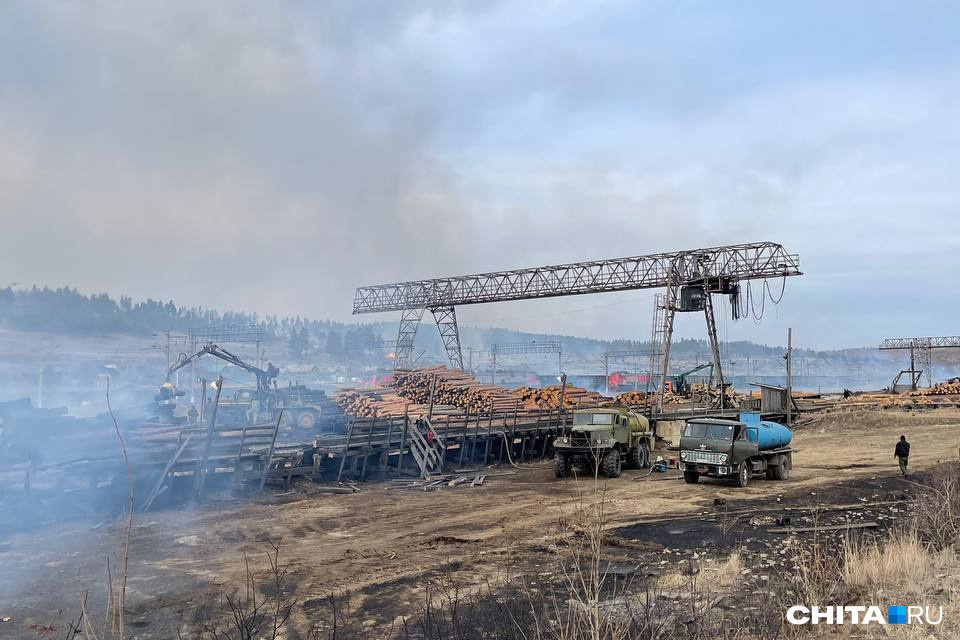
x=708, y=431
x=593, y=418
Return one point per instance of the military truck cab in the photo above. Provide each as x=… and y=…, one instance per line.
x=602, y=441
x=735, y=449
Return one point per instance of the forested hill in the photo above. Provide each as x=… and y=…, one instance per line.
x=69, y=312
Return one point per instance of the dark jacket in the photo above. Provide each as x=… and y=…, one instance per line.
x=902, y=450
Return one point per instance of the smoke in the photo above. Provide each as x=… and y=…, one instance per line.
x=273, y=157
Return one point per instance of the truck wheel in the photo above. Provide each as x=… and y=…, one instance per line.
x=691, y=477
x=772, y=470
x=635, y=458
x=743, y=475
x=561, y=465
x=611, y=463
x=306, y=420
x=783, y=468
x=646, y=455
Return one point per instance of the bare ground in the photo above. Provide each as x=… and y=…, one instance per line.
x=386, y=545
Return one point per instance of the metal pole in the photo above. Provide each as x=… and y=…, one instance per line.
x=493, y=374
x=913, y=370
x=606, y=375
x=789, y=375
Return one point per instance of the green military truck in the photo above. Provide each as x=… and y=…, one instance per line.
x=603, y=440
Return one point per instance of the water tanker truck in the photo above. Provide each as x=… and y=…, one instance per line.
x=735, y=449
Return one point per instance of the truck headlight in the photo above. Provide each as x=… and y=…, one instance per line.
x=723, y=458
x=564, y=440
x=683, y=455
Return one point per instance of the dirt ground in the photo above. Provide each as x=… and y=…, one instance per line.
x=384, y=544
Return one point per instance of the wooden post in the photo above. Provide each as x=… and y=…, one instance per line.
x=346, y=446
x=476, y=437
x=433, y=388
x=273, y=443
x=202, y=471
x=463, y=436
x=385, y=456
x=403, y=434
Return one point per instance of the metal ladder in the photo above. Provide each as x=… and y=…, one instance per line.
x=429, y=455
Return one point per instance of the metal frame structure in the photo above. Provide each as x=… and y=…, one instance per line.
x=520, y=348
x=923, y=346
x=716, y=269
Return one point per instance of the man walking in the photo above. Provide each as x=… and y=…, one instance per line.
x=901, y=453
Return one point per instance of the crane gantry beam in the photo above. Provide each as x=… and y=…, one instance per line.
x=716, y=269
x=924, y=346
x=734, y=262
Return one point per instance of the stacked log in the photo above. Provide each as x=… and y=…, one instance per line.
x=382, y=401
x=549, y=397
x=949, y=388
x=453, y=387
x=632, y=398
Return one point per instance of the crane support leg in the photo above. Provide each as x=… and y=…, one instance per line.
x=670, y=303
x=409, y=323
x=714, y=345
x=446, y=318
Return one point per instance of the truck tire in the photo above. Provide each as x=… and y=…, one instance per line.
x=645, y=451
x=306, y=420
x=743, y=475
x=772, y=470
x=610, y=465
x=561, y=465
x=691, y=477
x=783, y=468
x=635, y=458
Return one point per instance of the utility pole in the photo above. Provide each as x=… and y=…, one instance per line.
x=606, y=375
x=789, y=375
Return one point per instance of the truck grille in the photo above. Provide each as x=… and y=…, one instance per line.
x=705, y=457
x=579, y=439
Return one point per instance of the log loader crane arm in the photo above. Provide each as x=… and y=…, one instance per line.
x=265, y=378
x=682, y=386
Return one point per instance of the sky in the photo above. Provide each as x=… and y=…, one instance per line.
x=272, y=157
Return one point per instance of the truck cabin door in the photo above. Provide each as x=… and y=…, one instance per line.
x=743, y=447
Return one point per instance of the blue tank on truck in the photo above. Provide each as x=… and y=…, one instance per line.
x=772, y=435
x=767, y=434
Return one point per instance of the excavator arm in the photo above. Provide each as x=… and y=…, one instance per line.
x=264, y=378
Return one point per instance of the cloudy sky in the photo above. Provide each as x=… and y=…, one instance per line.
x=271, y=156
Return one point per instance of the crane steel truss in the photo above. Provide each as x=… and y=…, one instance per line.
x=924, y=347
x=711, y=267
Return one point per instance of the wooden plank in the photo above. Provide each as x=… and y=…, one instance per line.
x=163, y=476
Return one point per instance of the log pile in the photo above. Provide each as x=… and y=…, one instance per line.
x=632, y=398
x=549, y=397
x=455, y=388
x=949, y=388
x=382, y=401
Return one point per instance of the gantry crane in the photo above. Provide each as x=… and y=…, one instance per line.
x=690, y=278
x=920, y=349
